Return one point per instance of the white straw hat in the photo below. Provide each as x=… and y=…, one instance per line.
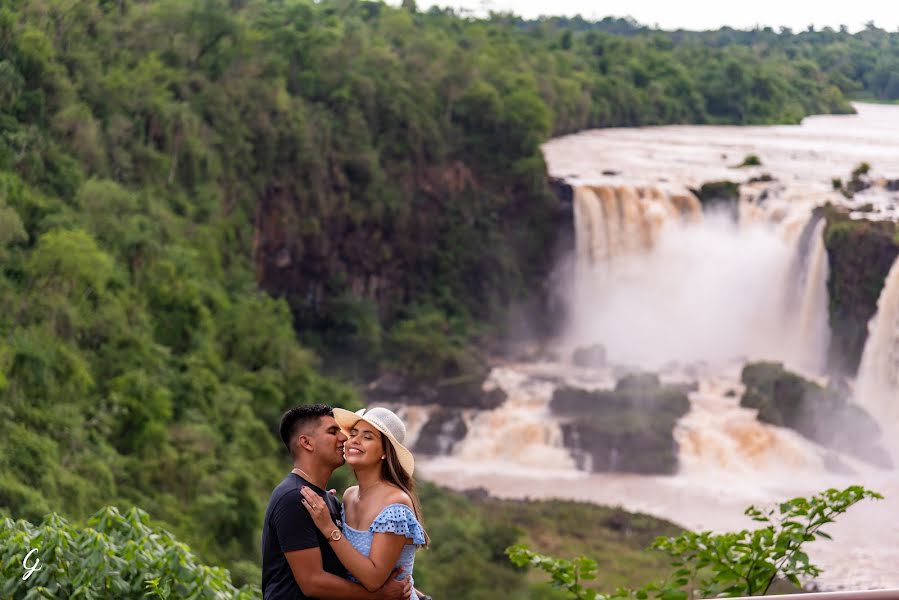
x=386, y=422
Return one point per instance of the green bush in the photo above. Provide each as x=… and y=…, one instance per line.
x=750, y=160
x=114, y=556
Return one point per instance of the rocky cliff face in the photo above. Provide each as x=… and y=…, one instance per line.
x=311, y=249
x=446, y=236
x=860, y=254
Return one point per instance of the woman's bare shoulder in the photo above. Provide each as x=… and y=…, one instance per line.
x=397, y=496
x=351, y=493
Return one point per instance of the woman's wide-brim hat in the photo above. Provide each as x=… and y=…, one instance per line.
x=386, y=422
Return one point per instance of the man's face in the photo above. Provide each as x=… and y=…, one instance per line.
x=328, y=442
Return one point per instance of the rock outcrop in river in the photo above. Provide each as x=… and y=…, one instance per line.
x=628, y=429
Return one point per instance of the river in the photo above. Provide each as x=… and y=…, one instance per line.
x=693, y=297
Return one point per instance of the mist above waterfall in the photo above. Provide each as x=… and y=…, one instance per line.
x=706, y=291
x=657, y=282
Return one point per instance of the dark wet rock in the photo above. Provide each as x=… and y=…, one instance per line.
x=628, y=429
x=645, y=383
x=547, y=301
x=860, y=254
x=445, y=428
x=590, y=356
x=763, y=178
x=720, y=195
x=459, y=392
x=823, y=415
x=562, y=189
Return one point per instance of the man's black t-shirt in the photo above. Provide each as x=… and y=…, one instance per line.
x=289, y=527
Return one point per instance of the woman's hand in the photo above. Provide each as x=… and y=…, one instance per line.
x=318, y=509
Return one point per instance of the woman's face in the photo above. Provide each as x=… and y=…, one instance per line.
x=364, y=446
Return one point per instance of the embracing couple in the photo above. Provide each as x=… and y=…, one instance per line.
x=312, y=547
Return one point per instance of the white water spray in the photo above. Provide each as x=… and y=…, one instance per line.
x=877, y=389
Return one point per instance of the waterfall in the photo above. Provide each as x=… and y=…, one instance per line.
x=806, y=310
x=521, y=433
x=877, y=388
x=612, y=222
x=719, y=436
x=590, y=227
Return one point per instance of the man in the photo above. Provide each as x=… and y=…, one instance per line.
x=297, y=560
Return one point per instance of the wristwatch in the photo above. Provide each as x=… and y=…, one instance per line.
x=335, y=535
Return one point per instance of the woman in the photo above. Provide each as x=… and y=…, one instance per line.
x=382, y=525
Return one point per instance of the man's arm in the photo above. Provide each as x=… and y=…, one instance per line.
x=315, y=582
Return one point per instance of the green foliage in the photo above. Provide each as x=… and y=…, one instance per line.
x=708, y=565
x=748, y=562
x=750, y=160
x=376, y=169
x=471, y=533
x=862, y=168
x=429, y=346
x=857, y=182
x=114, y=555
x=564, y=574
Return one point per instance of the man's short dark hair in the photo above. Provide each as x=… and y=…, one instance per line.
x=297, y=418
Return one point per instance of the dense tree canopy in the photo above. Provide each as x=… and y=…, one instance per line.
x=164, y=164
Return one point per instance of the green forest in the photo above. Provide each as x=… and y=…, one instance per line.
x=211, y=211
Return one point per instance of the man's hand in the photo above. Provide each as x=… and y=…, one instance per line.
x=395, y=590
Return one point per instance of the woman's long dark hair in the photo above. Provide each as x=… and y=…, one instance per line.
x=393, y=472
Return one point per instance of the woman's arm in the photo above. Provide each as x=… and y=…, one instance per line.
x=314, y=581
x=371, y=571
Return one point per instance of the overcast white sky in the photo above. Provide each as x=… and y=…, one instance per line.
x=703, y=14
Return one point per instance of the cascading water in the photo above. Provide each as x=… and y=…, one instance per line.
x=877, y=387
x=643, y=271
x=805, y=310
x=663, y=287
x=616, y=221
x=655, y=283
x=720, y=437
x=520, y=433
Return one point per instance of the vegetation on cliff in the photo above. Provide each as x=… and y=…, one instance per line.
x=860, y=254
x=376, y=169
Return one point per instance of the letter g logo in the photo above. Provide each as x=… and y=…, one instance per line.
x=35, y=567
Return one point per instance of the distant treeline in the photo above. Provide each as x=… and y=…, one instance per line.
x=864, y=64
x=377, y=169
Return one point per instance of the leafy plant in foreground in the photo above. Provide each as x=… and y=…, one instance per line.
x=116, y=556
x=565, y=574
x=743, y=563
